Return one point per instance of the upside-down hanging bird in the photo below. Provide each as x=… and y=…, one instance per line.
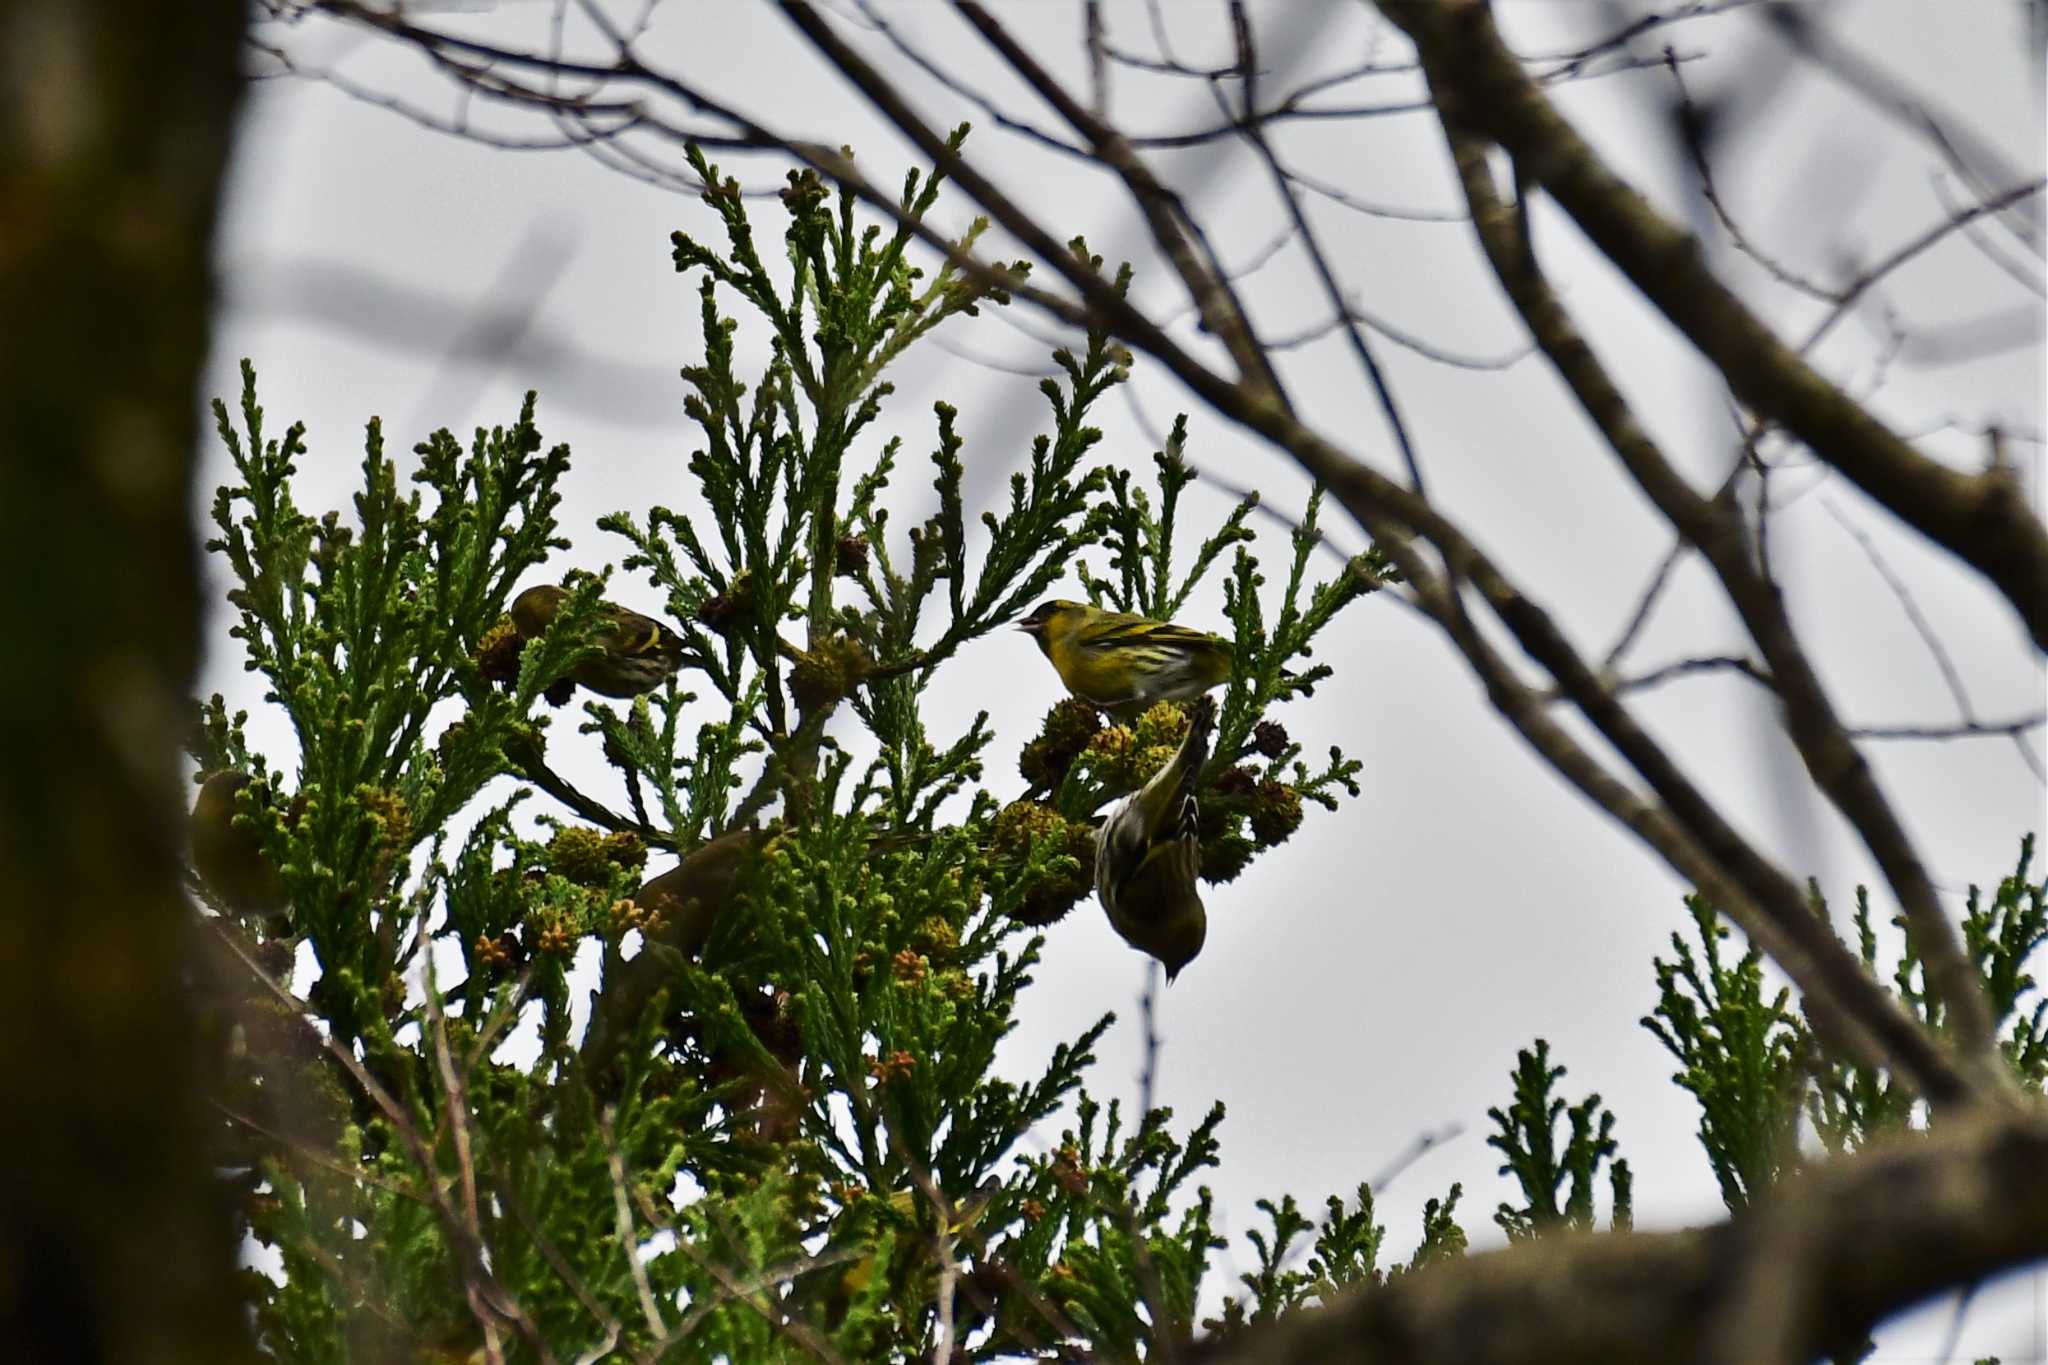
x=1148, y=851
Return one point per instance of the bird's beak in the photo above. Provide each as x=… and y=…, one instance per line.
x=1024, y=626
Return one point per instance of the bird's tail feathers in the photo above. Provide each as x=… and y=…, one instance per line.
x=1167, y=802
x=1194, y=749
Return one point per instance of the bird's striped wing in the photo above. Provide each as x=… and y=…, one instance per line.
x=635, y=635
x=1157, y=656
x=1124, y=631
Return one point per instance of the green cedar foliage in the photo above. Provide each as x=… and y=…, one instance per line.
x=781, y=1135
x=1745, y=1058
x=1748, y=1057
x=782, y=1132
x=1527, y=1136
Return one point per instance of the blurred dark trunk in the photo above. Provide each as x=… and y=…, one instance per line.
x=115, y=123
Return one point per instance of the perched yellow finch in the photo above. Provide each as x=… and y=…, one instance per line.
x=227, y=852
x=1147, y=852
x=1123, y=662
x=639, y=651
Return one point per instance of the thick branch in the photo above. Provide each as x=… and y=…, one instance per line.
x=1849, y=1009
x=1834, y=1252
x=1984, y=519
x=1714, y=525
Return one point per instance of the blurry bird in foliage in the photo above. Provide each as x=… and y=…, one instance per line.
x=912, y=1265
x=1148, y=850
x=637, y=652
x=689, y=897
x=1122, y=662
x=678, y=912
x=227, y=850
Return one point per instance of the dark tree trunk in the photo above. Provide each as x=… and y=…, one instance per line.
x=115, y=123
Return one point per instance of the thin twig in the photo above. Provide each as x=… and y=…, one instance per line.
x=455, y=1095
x=506, y=1193
x=1640, y=617
x=943, y=1219
x=1093, y=37
x=1689, y=121
x=771, y=1278
x=1148, y=1019
x=535, y=769
x=2015, y=728
x=942, y=75
x=1911, y=248
x=1370, y=208
x=1950, y=674
x=1254, y=134
x=488, y=1299
x=750, y=1294
x=1258, y=501
x=2025, y=274
x=1423, y=1144
x=307, y=1152
x=1687, y=668
x=1953, y=1337
x=629, y=1240
x=1406, y=340
x=1173, y=227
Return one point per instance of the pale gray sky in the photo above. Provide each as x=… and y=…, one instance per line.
x=1371, y=979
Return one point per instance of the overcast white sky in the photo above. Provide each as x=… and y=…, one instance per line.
x=1370, y=980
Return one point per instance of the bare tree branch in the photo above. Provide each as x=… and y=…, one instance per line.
x=1172, y=227
x=1971, y=155
x=1856, y=1013
x=1712, y=525
x=1984, y=519
x=1325, y=273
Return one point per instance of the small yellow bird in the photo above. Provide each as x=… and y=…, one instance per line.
x=1148, y=851
x=639, y=651
x=1122, y=662
x=228, y=853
